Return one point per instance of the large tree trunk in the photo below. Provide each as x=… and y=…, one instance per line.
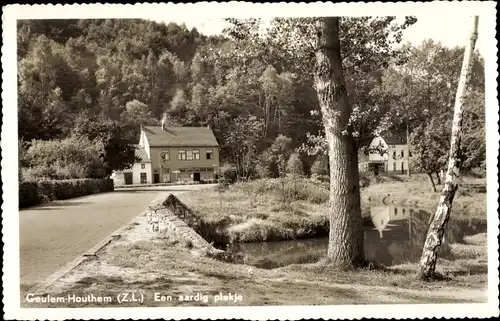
x=345, y=248
x=442, y=214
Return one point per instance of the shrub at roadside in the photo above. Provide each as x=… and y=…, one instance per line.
x=36, y=192
x=69, y=158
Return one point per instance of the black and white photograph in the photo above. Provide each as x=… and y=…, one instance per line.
x=250, y=161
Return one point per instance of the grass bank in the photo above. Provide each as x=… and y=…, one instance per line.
x=416, y=191
x=263, y=210
x=166, y=267
x=272, y=209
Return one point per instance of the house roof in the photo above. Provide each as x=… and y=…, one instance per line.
x=141, y=154
x=180, y=136
x=394, y=140
x=389, y=140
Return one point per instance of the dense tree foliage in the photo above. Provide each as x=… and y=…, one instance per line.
x=424, y=100
x=102, y=78
x=72, y=157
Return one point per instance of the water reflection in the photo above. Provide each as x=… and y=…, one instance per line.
x=384, y=218
x=394, y=236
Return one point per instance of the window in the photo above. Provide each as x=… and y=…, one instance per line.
x=165, y=155
x=394, y=154
x=402, y=154
x=209, y=154
x=181, y=154
x=144, y=178
x=196, y=154
x=395, y=211
x=189, y=154
x=143, y=166
x=394, y=166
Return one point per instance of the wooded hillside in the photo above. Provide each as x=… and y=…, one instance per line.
x=101, y=79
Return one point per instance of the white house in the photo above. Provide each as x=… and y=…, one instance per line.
x=139, y=173
x=384, y=154
x=167, y=154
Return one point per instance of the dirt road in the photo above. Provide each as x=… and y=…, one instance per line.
x=53, y=234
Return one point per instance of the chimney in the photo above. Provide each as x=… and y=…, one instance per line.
x=164, y=122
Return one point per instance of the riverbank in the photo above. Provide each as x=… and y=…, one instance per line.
x=160, y=266
x=273, y=210
x=416, y=191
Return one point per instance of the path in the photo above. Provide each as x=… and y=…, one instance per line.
x=51, y=235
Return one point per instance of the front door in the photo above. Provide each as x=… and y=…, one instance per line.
x=196, y=177
x=156, y=178
x=128, y=178
x=166, y=175
x=144, y=178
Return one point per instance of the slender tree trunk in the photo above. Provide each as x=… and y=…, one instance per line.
x=432, y=182
x=408, y=144
x=438, y=178
x=345, y=247
x=442, y=214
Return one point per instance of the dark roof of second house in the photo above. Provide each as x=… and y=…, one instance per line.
x=180, y=136
x=394, y=140
x=141, y=155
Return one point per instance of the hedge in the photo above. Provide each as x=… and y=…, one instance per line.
x=36, y=192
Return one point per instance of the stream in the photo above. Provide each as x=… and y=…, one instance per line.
x=394, y=236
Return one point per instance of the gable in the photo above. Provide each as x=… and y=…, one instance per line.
x=378, y=141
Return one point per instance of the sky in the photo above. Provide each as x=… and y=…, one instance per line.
x=451, y=31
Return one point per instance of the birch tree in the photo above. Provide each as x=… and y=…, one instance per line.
x=345, y=247
x=442, y=214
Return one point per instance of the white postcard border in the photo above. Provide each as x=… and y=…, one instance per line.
x=10, y=226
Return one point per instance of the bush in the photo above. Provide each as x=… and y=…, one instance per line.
x=295, y=167
x=305, y=190
x=69, y=158
x=321, y=178
x=320, y=166
x=228, y=174
x=291, y=189
x=266, y=166
x=28, y=194
x=36, y=192
x=364, y=180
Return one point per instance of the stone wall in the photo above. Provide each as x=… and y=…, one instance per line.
x=183, y=212
x=214, y=232
x=162, y=218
